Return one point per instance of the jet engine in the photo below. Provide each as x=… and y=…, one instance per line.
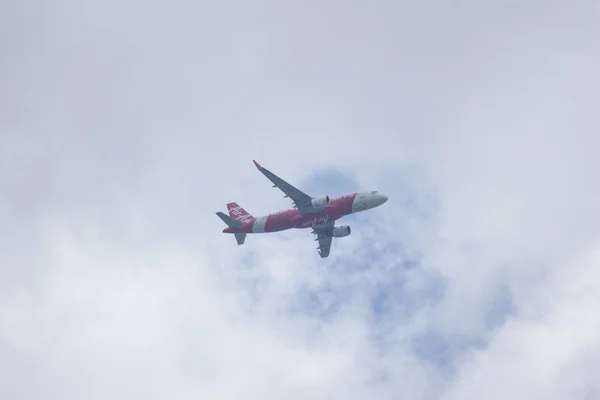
x=341, y=231
x=320, y=202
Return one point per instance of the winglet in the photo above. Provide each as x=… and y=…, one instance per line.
x=255, y=163
x=320, y=254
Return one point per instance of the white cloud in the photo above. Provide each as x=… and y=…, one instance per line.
x=125, y=126
x=550, y=348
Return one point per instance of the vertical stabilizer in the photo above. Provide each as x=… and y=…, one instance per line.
x=239, y=214
x=237, y=218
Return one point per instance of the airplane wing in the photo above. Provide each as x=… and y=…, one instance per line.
x=299, y=198
x=324, y=237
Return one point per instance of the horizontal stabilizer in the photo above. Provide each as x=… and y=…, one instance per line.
x=232, y=223
x=240, y=238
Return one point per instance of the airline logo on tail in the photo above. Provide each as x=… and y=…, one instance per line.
x=238, y=213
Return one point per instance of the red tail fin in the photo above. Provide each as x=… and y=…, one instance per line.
x=238, y=213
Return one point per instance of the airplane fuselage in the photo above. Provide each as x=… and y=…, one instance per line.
x=292, y=218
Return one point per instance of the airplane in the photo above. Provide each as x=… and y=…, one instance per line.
x=318, y=213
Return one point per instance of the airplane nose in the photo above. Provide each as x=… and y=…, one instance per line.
x=379, y=199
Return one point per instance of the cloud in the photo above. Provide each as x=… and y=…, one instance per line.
x=125, y=126
x=554, y=337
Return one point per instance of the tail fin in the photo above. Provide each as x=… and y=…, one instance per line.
x=238, y=213
x=240, y=238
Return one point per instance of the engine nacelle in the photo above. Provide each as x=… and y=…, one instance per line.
x=320, y=202
x=341, y=231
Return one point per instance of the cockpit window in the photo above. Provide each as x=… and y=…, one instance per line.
x=374, y=192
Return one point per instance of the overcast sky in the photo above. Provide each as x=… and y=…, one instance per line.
x=125, y=125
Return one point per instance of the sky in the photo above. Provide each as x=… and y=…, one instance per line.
x=125, y=125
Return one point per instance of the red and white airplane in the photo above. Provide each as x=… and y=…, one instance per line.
x=318, y=213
